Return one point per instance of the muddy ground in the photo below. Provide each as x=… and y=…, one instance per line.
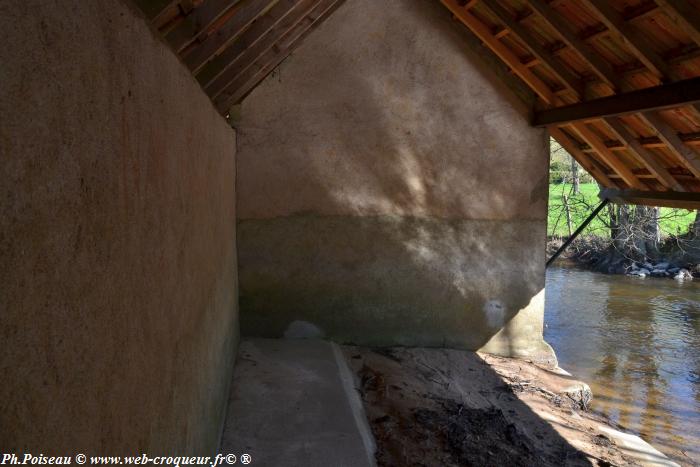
x=437, y=407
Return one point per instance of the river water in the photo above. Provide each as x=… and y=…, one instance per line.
x=637, y=343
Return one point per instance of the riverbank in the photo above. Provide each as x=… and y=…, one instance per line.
x=677, y=257
x=455, y=408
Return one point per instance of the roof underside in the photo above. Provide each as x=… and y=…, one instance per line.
x=232, y=45
x=573, y=53
x=617, y=81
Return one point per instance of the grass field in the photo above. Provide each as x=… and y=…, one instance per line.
x=673, y=221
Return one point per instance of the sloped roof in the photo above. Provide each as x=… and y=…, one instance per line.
x=617, y=82
x=232, y=45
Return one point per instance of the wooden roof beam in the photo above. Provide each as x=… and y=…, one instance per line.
x=590, y=56
x=539, y=51
x=503, y=52
x=257, y=32
x=645, y=156
x=667, y=199
x=608, y=156
x=685, y=15
x=273, y=56
x=685, y=154
x=655, y=98
x=197, y=23
x=250, y=55
x=582, y=158
x=243, y=13
x=638, y=44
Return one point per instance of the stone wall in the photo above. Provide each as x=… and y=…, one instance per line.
x=118, y=303
x=391, y=192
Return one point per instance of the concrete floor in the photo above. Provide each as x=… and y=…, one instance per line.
x=293, y=403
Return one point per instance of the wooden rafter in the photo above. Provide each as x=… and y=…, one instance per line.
x=231, y=78
x=243, y=13
x=265, y=63
x=581, y=47
x=608, y=156
x=685, y=15
x=644, y=155
x=581, y=157
x=685, y=154
x=258, y=31
x=503, y=52
x=197, y=23
x=636, y=41
x=542, y=54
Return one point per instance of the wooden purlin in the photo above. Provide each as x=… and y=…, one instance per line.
x=649, y=160
x=608, y=156
x=258, y=31
x=503, y=52
x=638, y=44
x=274, y=56
x=581, y=157
x=197, y=23
x=230, y=79
x=243, y=14
x=583, y=49
x=539, y=51
x=686, y=155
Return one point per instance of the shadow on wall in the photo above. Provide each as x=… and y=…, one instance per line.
x=376, y=192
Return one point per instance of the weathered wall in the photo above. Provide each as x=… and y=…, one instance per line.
x=118, y=315
x=390, y=192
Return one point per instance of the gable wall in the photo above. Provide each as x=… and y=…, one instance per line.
x=391, y=191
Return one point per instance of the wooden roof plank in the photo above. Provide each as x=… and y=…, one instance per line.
x=580, y=156
x=636, y=41
x=644, y=155
x=258, y=31
x=685, y=15
x=608, y=156
x=248, y=58
x=503, y=52
x=590, y=56
x=197, y=22
x=538, y=50
x=655, y=98
x=686, y=155
x=245, y=82
x=245, y=12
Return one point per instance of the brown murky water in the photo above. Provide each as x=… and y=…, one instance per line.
x=637, y=343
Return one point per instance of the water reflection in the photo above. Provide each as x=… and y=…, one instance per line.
x=637, y=343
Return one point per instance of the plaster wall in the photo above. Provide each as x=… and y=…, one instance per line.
x=118, y=302
x=391, y=191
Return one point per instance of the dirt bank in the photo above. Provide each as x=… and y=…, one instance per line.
x=432, y=407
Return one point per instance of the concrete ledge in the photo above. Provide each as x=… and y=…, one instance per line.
x=293, y=403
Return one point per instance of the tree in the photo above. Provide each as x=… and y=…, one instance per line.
x=695, y=229
x=575, y=180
